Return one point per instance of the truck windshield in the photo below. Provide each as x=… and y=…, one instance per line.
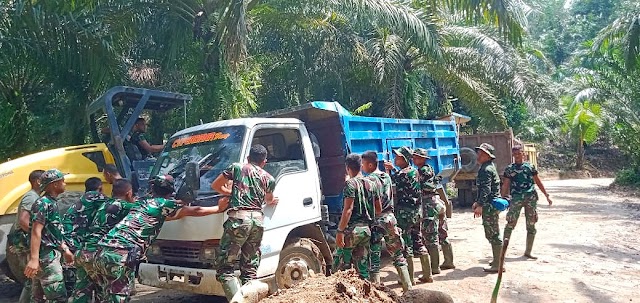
x=214, y=149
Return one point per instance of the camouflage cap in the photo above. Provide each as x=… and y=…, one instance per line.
x=405, y=152
x=421, y=152
x=162, y=181
x=487, y=148
x=49, y=177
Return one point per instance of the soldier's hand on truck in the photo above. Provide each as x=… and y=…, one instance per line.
x=32, y=268
x=273, y=201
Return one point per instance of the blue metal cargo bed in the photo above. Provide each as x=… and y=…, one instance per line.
x=340, y=133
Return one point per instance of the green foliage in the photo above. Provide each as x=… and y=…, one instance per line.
x=628, y=177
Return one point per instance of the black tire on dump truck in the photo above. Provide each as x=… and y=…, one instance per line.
x=297, y=259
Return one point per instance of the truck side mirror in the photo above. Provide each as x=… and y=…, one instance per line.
x=192, y=175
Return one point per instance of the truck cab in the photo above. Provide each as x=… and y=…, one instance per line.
x=293, y=244
x=306, y=148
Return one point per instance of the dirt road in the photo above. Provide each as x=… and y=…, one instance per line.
x=587, y=244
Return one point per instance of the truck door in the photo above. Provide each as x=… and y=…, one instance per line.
x=290, y=160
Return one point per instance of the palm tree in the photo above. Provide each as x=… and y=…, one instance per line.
x=623, y=33
x=583, y=122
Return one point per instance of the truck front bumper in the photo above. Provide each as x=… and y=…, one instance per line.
x=193, y=280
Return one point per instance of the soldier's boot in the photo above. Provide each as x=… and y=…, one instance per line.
x=231, y=287
x=495, y=264
x=410, y=270
x=447, y=252
x=527, y=252
x=426, y=269
x=405, y=281
x=374, y=277
x=434, y=255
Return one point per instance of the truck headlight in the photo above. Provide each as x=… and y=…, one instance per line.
x=155, y=250
x=208, y=253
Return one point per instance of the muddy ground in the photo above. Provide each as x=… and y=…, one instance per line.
x=587, y=242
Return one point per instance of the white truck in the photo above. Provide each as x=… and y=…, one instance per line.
x=306, y=150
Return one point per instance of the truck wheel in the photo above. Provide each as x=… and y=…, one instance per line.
x=297, y=260
x=468, y=160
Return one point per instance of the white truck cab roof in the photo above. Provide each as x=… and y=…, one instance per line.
x=248, y=122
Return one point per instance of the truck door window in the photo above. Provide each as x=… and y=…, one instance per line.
x=284, y=150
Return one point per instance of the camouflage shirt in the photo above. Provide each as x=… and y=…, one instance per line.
x=135, y=139
x=18, y=238
x=521, y=176
x=427, y=180
x=250, y=186
x=142, y=225
x=362, y=206
x=77, y=220
x=488, y=182
x=385, y=189
x=407, y=187
x=45, y=212
x=110, y=213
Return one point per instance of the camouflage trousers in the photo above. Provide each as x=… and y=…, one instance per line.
x=357, y=242
x=410, y=221
x=22, y=259
x=443, y=230
x=240, y=242
x=386, y=226
x=115, y=268
x=490, y=222
x=48, y=284
x=430, y=221
x=86, y=278
x=530, y=203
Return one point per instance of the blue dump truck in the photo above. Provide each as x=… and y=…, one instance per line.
x=306, y=147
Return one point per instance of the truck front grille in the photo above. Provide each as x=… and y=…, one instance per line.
x=188, y=253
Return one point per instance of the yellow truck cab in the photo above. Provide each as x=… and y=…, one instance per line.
x=121, y=106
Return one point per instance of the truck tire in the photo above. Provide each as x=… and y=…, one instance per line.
x=468, y=160
x=297, y=260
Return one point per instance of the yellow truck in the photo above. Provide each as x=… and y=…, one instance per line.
x=121, y=106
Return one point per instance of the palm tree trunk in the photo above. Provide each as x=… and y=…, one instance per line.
x=580, y=153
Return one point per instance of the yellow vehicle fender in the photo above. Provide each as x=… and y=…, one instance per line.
x=78, y=162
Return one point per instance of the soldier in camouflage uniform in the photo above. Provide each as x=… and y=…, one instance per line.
x=106, y=217
x=77, y=219
x=18, y=237
x=519, y=179
x=443, y=238
x=488, y=182
x=408, y=211
x=47, y=242
x=385, y=225
x=121, y=248
x=361, y=201
x=243, y=230
x=430, y=208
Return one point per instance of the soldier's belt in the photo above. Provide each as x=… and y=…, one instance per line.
x=242, y=214
x=359, y=224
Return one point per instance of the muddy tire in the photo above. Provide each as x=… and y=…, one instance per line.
x=299, y=260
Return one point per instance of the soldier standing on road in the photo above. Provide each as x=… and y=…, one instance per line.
x=385, y=225
x=519, y=179
x=47, y=242
x=354, y=234
x=243, y=230
x=106, y=217
x=18, y=238
x=430, y=208
x=408, y=211
x=488, y=182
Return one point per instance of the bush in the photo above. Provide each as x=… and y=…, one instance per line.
x=628, y=177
